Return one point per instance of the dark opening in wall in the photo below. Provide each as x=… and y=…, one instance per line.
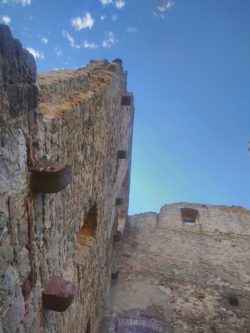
x=127, y=99
x=86, y=235
x=189, y=216
x=88, y=328
x=122, y=154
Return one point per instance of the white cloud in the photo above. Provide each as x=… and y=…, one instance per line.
x=70, y=39
x=103, y=17
x=120, y=4
x=106, y=2
x=84, y=22
x=88, y=45
x=131, y=29
x=166, y=6
x=110, y=40
x=85, y=44
x=44, y=40
x=5, y=19
x=25, y=3
x=36, y=54
x=58, y=51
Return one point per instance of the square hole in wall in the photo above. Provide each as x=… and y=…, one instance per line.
x=189, y=216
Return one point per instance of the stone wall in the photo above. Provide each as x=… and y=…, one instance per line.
x=221, y=219
x=181, y=276
x=81, y=122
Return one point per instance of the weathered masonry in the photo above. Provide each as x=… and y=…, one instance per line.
x=184, y=270
x=65, y=154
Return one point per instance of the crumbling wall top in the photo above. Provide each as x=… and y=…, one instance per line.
x=208, y=218
x=62, y=90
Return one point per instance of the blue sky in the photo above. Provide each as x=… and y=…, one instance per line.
x=189, y=68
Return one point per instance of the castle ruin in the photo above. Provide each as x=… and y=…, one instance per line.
x=71, y=260
x=184, y=270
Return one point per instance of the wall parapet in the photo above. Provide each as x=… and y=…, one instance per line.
x=211, y=219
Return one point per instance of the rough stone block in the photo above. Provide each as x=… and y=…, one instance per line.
x=50, y=177
x=58, y=294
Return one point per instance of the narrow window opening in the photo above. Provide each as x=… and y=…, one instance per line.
x=86, y=235
x=189, y=216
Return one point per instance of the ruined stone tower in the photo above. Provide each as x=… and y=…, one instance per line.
x=184, y=270
x=65, y=152
x=69, y=255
